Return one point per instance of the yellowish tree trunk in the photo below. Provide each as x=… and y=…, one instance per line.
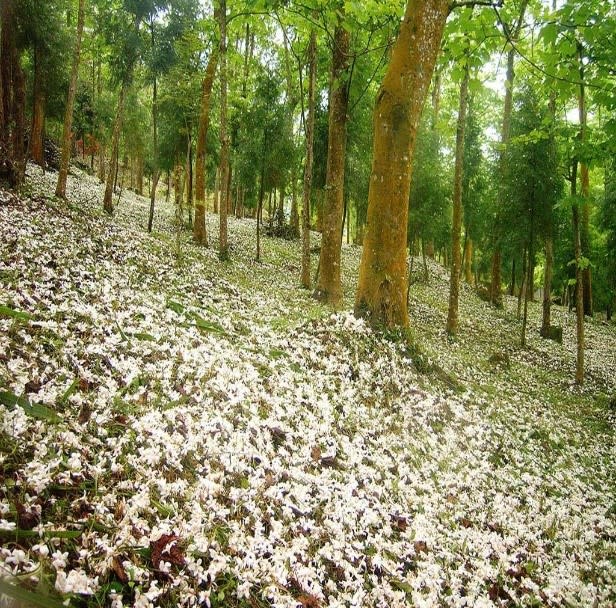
x=381, y=292
x=329, y=285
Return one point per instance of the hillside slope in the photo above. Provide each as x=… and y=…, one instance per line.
x=180, y=431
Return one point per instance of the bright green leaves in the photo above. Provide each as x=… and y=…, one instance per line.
x=33, y=410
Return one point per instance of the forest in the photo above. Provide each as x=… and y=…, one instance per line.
x=307, y=303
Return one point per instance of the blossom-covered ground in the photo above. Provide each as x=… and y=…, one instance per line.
x=178, y=431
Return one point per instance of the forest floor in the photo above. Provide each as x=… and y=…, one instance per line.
x=176, y=430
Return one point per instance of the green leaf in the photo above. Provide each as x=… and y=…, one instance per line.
x=34, y=410
x=144, y=336
x=29, y=598
x=204, y=325
x=175, y=307
x=16, y=533
x=7, y=311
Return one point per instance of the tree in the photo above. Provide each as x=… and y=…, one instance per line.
x=199, y=231
x=456, y=263
x=329, y=284
x=511, y=34
x=12, y=116
x=533, y=185
x=223, y=246
x=309, y=125
x=381, y=292
x=68, y=117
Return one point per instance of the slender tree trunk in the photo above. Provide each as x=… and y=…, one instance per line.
x=468, y=260
x=223, y=249
x=199, y=229
x=584, y=191
x=530, y=278
x=156, y=174
x=496, y=296
x=383, y=272
x=309, y=123
x=547, y=285
x=37, y=130
x=579, y=283
x=454, y=281
x=260, y=200
x=522, y=293
x=329, y=285
x=115, y=149
x=70, y=102
x=216, y=190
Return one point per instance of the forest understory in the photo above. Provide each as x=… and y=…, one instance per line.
x=180, y=431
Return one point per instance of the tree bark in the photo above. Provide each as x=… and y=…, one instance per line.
x=329, y=285
x=496, y=296
x=223, y=247
x=115, y=150
x=584, y=192
x=156, y=175
x=381, y=292
x=309, y=122
x=454, y=281
x=468, y=260
x=199, y=230
x=546, y=321
x=37, y=130
x=579, y=283
x=70, y=102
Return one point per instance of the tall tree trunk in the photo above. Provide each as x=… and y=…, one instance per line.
x=329, y=285
x=70, y=102
x=11, y=75
x=468, y=260
x=37, y=130
x=156, y=174
x=115, y=150
x=584, y=191
x=530, y=278
x=496, y=296
x=547, y=284
x=579, y=283
x=199, y=230
x=189, y=175
x=382, y=287
x=223, y=247
x=260, y=199
x=309, y=124
x=454, y=281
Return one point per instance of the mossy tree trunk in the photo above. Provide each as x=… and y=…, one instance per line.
x=329, y=284
x=456, y=227
x=382, y=288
